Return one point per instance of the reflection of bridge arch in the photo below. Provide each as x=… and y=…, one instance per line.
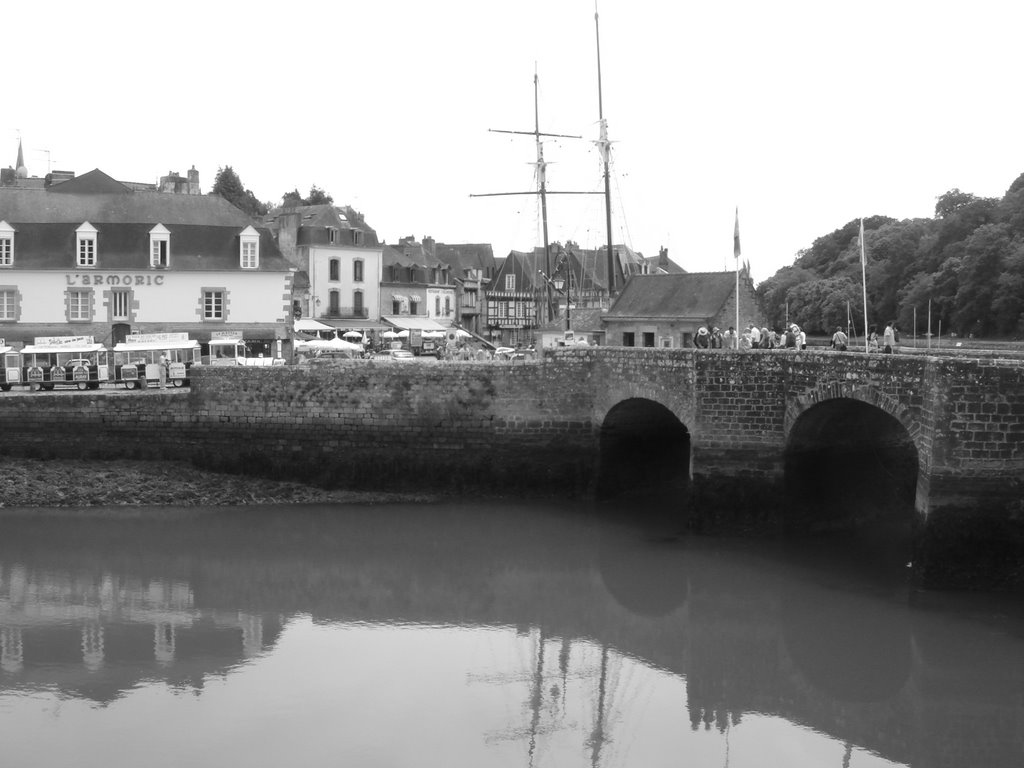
x=851, y=456
x=644, y=449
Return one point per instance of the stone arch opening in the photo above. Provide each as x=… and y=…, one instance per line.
x=850, y=466
x=644, y=452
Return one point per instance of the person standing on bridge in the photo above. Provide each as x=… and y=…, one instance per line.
x=729, y=338
x=702, y=340
x=889, y=338
x=839, y=340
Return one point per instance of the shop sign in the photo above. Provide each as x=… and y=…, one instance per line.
x=125, y=280
x=155, y=338
x=64, y=341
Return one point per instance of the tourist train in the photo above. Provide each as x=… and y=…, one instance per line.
x=82, y=363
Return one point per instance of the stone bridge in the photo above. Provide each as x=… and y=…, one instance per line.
x=738, y=434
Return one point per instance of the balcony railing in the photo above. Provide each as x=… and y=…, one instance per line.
x=350, y=312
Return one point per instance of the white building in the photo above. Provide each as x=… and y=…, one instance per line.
x=94, y=257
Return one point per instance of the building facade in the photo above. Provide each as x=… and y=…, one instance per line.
x=338, y=262
x=92, y=256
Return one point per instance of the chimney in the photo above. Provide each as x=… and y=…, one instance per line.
x=193, y=181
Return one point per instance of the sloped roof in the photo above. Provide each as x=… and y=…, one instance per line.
x=92, y=182
x=697, y=295
x=56, y=205
x=204, y=229
x=466, y=256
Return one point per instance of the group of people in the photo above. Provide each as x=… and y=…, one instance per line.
x=792, y=337
x=750, y=337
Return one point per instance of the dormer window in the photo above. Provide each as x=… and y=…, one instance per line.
x=510, y=282
x=6, y=244
x=85, y=237
x=249, y=243
x=332, y=235
x=159, y=247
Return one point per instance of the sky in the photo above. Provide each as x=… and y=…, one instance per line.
x=800, y=116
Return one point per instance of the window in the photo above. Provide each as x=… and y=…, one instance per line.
x=334, y=270
x=437, y=305
x=249, y=256
x=249, y=252
x=510, y=282
x=120, y=305
x=6, y=244
x=628, y=339
x=357, y=270
x=86, y=242
x=334, y=302
x=648, y=339
x=414, y=307
x=159, y=246
x=79, y=305
x=447, y=305
x=213, y=304
x=8, y=303
x=357, y=237
x=357, y=303
x=396, y=307
x=332, y=235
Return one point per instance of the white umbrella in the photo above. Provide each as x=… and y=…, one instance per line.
x=462, y=334
x=341, y=344
x=389, y=335
x=352, y=335
x=402, y=335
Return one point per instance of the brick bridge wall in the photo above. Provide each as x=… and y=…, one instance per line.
x=965, y=416
x=536, y=426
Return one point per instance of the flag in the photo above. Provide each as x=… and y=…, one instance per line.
x=863, y=258
x=736, y=237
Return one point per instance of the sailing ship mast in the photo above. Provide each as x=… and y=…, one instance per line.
x=542, y=189
x=604, y=147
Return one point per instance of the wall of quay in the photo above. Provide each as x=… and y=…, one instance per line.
x=535, y=428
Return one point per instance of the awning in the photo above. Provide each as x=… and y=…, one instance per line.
x=310, y=325
x=416, y=297
x=399, y=297
x=413, y=322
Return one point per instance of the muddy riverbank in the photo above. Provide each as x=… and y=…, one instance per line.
x=79, y=483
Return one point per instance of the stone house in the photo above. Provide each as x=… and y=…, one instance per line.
x=665, y=310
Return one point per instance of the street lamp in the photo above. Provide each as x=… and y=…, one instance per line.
x=559, y=284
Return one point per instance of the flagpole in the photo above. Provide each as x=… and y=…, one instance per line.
x=864, y=283
x=736, y=253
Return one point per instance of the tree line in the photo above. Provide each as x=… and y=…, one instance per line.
x=228, y=185
x=968, y=261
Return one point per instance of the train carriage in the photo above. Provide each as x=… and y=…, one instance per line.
x=51, y=361
x=10, y=368
x=137, y=359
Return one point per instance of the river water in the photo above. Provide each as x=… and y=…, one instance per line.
x=495, y=634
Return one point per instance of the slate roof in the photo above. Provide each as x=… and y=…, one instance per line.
x=203, y=229
x=466, y=256
x=695, y=295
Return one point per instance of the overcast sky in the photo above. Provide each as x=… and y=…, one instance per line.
x=804, y=115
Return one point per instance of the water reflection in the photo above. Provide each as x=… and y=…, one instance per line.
x=483, y=635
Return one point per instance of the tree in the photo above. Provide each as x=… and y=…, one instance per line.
x=981, y=267
x=228, y=185
x=316, y=197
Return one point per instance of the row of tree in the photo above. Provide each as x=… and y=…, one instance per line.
x=967, y=261
x=228, y=185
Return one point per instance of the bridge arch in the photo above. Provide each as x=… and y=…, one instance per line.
x=851, y=460
x=644, y=451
